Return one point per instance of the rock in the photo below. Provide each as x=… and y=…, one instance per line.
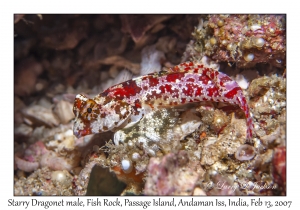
x=39, y=115
x=26, y=74
x=64, y=110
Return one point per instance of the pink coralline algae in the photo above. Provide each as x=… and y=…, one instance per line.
x=29, y=161
x=26, y=166
x=126, y=103
x=242, y=39
x=38, y=156
x=174, y=174
x=279, y=169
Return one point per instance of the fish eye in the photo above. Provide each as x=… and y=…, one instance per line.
x=90, y=110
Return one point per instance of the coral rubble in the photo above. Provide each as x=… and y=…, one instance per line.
x=242, y=39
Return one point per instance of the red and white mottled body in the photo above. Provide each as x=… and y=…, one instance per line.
x=128, y=102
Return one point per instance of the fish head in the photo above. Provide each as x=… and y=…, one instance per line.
x=98, y=115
